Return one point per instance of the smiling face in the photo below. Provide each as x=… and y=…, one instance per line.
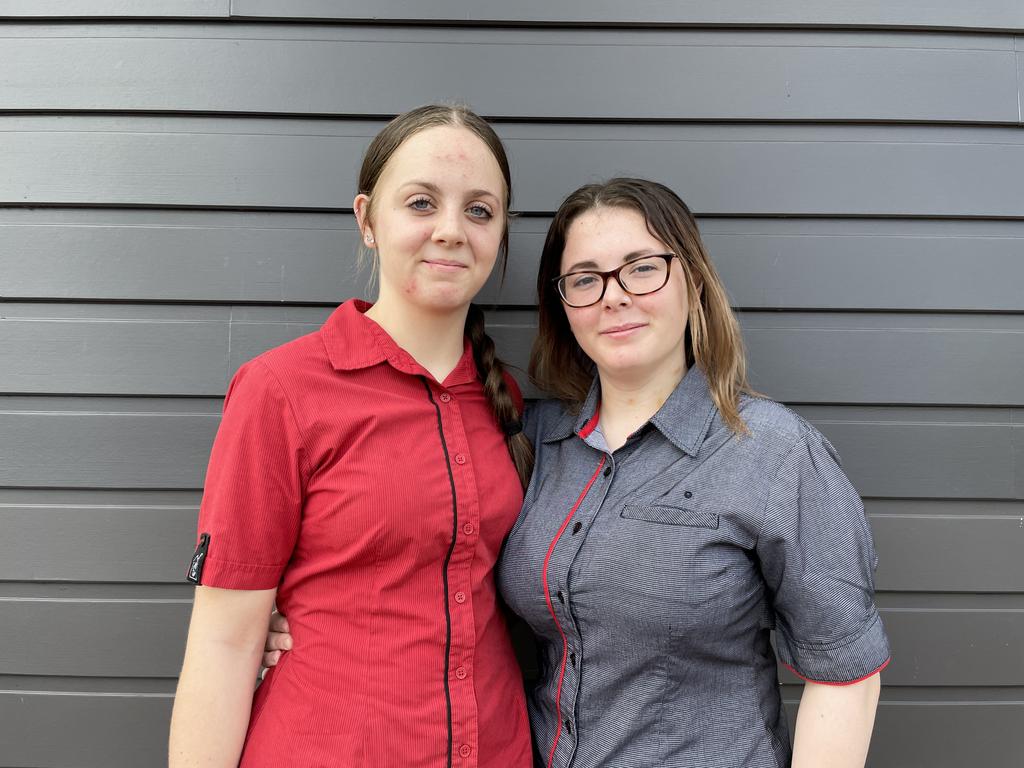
x=437, y=219
x=637, y=338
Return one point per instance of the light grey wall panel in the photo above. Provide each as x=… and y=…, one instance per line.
x=992, y=14
x=768, y=80
x=83, y=730
x=82, y=9
x=721, y=169
x=104, y=450
x=104, y=638
x=141, y=255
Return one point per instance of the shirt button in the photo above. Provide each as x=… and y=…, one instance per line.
x=577, y=527
x=688, y=494
x=445, y=397
x=465, y=750
x=460, y=597
x=561, y=597
x=568, y=726
x=460, y=458
x=572, y=659
x=467, y=529
x=461, y=673
x=607, y=471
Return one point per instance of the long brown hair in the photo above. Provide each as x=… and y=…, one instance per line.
x=560, y=366
x=489, y=367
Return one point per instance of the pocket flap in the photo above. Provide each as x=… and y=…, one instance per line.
x=670, y=515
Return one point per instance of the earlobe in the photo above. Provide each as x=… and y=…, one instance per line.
x=361, y=208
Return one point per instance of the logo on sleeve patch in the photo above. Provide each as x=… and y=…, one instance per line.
x=195, y=568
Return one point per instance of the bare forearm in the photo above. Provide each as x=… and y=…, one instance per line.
x=834, y=723
x=211, y=707
x=214, y=698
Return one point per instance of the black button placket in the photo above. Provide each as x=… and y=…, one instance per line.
x=563, y=557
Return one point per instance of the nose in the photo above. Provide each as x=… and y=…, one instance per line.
x=449, y=229
x=614, y=295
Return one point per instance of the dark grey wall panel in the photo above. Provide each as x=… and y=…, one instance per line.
x=950, y=734
x=811, y=365
x=109, y=543
x=140, y=255
x=170, y=255
x=59, y=355
x=81, y=9
x=943, y=554
x=193, y=351
x=768, y=81
x=82, y=730
x=129, y=540
x=930, y=460
x=75, y=637
x=931, y=647
x=993, y=14
x=793, y=358
x=105, y=450
x=720, y=169
x=901, y=453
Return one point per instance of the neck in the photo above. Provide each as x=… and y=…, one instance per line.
x=629, y=401
x=433, y=339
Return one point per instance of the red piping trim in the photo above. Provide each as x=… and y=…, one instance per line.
x=547, y=594
x=591, y=425
x=844, y=682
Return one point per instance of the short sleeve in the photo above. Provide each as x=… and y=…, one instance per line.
x=818, y=559
x=252, y=500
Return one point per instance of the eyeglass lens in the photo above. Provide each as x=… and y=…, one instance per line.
x=638, y=277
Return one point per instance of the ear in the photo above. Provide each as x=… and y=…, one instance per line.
x=361, y=207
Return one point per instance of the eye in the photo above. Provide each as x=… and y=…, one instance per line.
x=480, y=211
x=585, y=280
x=421, y=204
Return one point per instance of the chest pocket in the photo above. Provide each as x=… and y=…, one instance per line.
x=670, y=515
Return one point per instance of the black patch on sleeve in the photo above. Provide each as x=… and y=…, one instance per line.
x=195, y=568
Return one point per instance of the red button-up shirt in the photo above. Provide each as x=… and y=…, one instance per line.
x=376, y=500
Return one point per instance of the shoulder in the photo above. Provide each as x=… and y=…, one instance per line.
x=545, y=418
x=779, y=432
x=289, y=365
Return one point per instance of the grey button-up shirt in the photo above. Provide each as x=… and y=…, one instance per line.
x=652, y=576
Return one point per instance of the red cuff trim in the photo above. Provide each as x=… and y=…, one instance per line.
x=833, y=682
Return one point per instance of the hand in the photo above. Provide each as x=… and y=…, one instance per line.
x=278, y=640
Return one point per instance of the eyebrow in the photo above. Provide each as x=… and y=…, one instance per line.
x=589, y=264
x=437, y=190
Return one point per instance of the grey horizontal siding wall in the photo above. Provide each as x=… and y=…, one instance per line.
x=175, y=191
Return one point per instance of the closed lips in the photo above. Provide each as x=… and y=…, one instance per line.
x=626, y=327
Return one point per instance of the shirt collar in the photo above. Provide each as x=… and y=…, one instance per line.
x=354, y=341
x=683, y=419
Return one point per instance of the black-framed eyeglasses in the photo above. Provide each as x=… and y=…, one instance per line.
x=637, y=278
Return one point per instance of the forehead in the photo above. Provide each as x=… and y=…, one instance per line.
x=606, y=234
x=448, y=154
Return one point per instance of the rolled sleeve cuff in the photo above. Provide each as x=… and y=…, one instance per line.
x=230, y=575
x=843, y=663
